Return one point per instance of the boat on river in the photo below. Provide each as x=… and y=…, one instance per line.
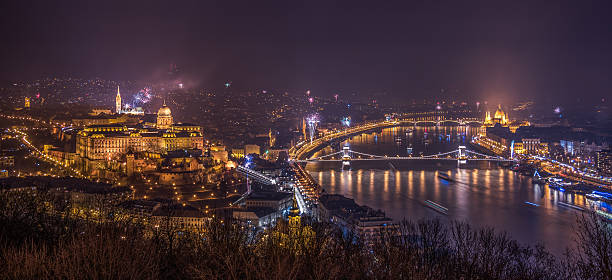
x=436, y=207
x=445, y=177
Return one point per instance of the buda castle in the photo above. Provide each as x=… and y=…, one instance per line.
x=106, y=142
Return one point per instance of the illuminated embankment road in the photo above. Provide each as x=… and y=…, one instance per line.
x=45, y=157
x=306, y=148
x=573, y=173
x=307, y=186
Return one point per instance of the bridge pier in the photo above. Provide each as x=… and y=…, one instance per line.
x=346, y=157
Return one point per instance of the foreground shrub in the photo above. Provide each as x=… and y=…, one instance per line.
x=55, y=245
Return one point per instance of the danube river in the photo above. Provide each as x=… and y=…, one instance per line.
x=483, y=193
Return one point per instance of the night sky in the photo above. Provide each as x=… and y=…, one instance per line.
x=499, y=50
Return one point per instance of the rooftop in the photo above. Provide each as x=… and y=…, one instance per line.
x=348, y=210
x=177, y=210
x=259, y=211
x=277, y=196
x=69, y=183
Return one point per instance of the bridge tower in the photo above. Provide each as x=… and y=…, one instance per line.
x=346, y=156
x=461, y=155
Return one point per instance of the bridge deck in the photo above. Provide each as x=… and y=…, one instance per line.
x=404, y=158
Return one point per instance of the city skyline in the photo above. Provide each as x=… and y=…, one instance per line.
x=315, y=140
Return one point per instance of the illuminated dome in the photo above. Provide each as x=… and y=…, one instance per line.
x=164, y=117
x=164, y=111
x=499, y=114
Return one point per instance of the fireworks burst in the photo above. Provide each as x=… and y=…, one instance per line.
x=312, y=121
x=346, y=121
x=142, y=97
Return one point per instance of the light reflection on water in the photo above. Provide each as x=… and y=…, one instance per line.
x=483, y=193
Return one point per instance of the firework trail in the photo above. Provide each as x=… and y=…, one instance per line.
x=142, y=97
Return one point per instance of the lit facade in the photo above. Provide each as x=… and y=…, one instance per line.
x=102, y=120
x=112, y=141
x=604, y=162
x=6, y=161
x=500, y=117
x=251, y=149
x=532, y=146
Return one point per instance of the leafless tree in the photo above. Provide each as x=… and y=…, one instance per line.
x=592, y=256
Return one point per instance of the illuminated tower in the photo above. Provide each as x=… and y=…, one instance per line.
x=271, y=138
x=304, y=129
x=27, y=102
x=294, y=216
x=118, y=102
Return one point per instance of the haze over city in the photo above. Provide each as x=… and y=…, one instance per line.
x=487, y=49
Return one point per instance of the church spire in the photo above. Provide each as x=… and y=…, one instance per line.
x=118, y=101
x=295, y=209
x=294, y=215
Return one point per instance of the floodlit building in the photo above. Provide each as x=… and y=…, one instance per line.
x=500, y=117
x=98, y=145
x=237, y=153
x=534, y=146
x=369, y=224
x=604, y=162
x=177, y=216
x=103, y=119
x=258, y=217
x=218, y=153
x=98, y=142
x=251, y=149
x=7, y=161
x=279, y=201
x=100, y=111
